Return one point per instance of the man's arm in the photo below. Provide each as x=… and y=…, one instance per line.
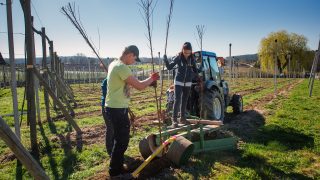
x=140, y=85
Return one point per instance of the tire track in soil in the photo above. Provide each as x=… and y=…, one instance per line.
x=250, y=91
x=260, y=103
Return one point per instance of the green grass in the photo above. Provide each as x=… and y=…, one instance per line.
x=286, y=146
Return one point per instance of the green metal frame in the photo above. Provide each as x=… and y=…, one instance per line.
x=202, y=145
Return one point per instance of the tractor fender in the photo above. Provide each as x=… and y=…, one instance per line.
x=213, y=85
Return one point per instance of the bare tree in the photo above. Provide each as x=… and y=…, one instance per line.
x=69, y=12
x=147, y=8
x=165, y=48
x=200, y=31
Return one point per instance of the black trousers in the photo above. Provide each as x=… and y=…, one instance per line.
x=181, y=95
x=121, y=126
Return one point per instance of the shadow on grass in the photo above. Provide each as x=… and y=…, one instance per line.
x=265, y=169
x=250, y=127
x=289, y=137
x=70, y=158
x=52, y=127
x=48, y=150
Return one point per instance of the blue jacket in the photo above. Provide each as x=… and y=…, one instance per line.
x=103, y=91
x=186, y=68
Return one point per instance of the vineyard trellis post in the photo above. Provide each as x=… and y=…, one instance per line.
x=275, y=67
x=314, y=69
x=12, y=67
x=52, y=61
x=289, y=65
x=45, y=69
x=230, y=62
x=36, y=81
x=30, y=95
x=56, y=72
x=20, y=152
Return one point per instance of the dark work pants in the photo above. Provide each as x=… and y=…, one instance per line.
x=121, y=126
x=181, y=95
x=109, y=132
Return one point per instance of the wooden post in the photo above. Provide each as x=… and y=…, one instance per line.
x=83, y=75
x=78, y=76
x=45, y=75
x=4, y=76
x=275, y=68
x=31, y=113
x=62, y=94
x=58, y=102
x=64, y=87
x=62, y=70
x=20, y=152
x=36, y=82
x=314, y=70
x=13, y=70
x=56, y=72
x=74, y=74
x=230, y=63
x=52, y=61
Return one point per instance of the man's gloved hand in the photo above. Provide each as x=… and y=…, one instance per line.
x=153, y=84
x=165, y=58
x=155, y=76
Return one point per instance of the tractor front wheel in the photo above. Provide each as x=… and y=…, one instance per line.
x=213, y=106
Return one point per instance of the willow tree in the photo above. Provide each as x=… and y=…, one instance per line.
x=290, y=48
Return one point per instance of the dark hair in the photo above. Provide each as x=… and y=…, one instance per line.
x=186, y=46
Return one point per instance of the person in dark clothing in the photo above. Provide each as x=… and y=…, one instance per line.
x=182, y=82
x=109, y=128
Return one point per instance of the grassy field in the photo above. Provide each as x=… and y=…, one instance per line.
x=280, y=136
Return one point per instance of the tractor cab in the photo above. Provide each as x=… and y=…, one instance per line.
x=207, y=64
x=209, y=71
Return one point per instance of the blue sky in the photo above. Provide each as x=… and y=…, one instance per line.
x=240, y=22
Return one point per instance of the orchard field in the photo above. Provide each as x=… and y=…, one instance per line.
x=279, y=135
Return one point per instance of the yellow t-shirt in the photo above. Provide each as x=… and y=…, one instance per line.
x=118, y=95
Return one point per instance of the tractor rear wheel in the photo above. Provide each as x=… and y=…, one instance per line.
x=213, y=106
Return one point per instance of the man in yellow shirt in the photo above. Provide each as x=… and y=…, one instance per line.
x=120, y=79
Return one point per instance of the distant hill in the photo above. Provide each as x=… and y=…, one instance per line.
x=247, y=58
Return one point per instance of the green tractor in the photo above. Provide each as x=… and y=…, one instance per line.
x=210, y=97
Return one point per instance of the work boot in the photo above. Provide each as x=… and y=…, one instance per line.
x=173, y=126
x=174, y=123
